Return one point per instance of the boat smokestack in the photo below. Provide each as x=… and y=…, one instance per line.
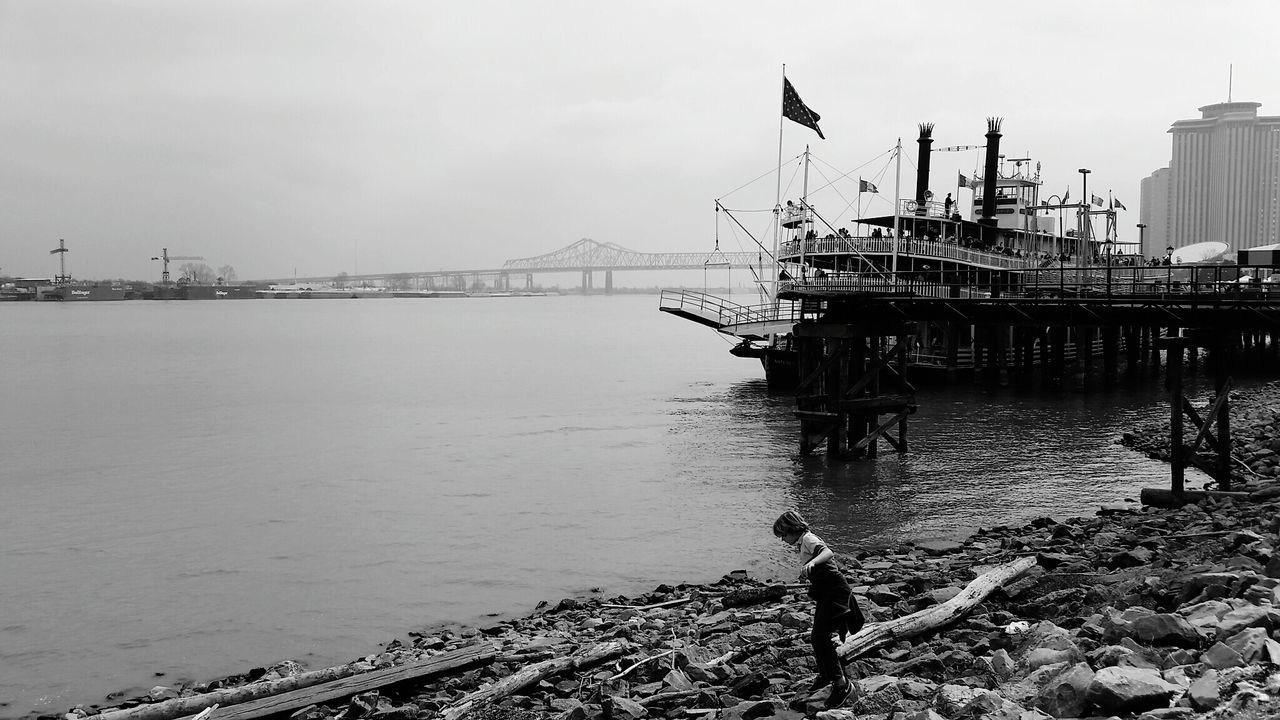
x=922, y=166
x=992, y=172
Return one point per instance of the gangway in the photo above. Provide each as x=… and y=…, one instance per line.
x=749, y=322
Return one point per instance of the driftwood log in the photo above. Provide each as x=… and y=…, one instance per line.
x=1167, y=498
x=534, y=674
x=938, y=616
x=236, y=701
x=179, y=707
x=422, y=671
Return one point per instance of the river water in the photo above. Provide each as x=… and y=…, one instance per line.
x=197, y=488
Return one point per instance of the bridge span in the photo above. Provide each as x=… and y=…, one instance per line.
x=585, y=256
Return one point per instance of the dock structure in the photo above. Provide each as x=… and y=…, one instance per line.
x=855, y=332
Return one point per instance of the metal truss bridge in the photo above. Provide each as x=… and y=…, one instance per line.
x=585, y=256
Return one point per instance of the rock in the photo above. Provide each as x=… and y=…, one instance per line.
x=1250, y=644
x=623, y=708
x=1002, y=664
x=1066, y=694
x=1120, y=689
x=1166, y=629
x=1220, y=657
x=1203, y=693
x=1245, y=617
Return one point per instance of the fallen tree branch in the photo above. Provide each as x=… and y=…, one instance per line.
x=651, y=658
x=669, y=603
x=918, y=623
x=679, y=695
x=755, y=647
x=534, y=674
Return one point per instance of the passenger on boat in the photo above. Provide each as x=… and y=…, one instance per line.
x=946, y=205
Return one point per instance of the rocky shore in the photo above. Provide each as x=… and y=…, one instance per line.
x=1133, y=613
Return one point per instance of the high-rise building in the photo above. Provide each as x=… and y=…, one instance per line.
x=1153, y=212
x=1222, y=183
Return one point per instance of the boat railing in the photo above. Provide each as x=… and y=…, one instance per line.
x=723, y=312
x=939, y=249
x=1185, y=283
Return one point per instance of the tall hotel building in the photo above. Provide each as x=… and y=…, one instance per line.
x=1223, y=182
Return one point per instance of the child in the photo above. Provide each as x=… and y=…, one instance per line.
x=835, y=611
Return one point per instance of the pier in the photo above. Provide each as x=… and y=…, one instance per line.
x=856, y=337
x=852, y=332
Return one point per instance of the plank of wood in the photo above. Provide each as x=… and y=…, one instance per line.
x=423, y=671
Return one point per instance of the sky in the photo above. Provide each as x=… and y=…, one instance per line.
x=313, y=137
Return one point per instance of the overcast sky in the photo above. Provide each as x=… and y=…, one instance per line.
x=319, y=137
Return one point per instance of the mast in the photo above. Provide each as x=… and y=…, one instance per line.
x=897, y=202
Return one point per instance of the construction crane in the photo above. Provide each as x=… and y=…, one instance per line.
x=63, y=278
x=166, y=257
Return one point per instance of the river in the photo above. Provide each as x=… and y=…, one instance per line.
x=195, y=488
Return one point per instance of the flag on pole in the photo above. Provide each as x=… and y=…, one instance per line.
x=1066, y=196
x=1096, y=200
x=864, y=186
x=1119, y=204
x=793, y=108
x=963, y=181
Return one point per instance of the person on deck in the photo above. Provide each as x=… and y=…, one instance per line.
x=946, y=204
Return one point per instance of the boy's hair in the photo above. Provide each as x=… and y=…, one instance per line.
x=790, y=522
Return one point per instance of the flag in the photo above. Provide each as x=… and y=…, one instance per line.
x=1119, y=204
x=864, y=186
x=963, y=181
x=793, y=108
x=1066, y=196
x=1096, y=200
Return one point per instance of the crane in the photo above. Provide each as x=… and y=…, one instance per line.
x=61, y=251
x=166, y=257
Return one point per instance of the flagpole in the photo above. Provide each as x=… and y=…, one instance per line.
x=777, y=201
x=897, y=201
x=804, y=208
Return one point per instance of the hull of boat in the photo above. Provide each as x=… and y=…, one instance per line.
x=203, y=292
x=90, y=293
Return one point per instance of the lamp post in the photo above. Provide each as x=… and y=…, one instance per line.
x=1084, y=181
x=1142, y=246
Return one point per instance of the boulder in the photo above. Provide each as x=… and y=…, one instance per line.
x=1125, y=689
x=1204, y=691
x=1166, y=629
x=1066, y=694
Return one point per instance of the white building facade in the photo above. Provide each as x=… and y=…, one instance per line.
x=1222, y=183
